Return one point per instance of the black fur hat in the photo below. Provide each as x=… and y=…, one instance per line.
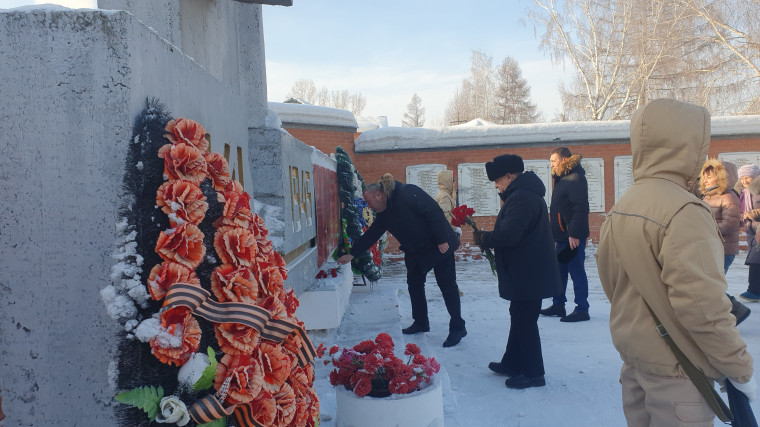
x=504, y=164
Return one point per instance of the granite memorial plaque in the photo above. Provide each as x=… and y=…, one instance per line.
x=476, y=191
x=543, y=169
x=623, y=175
x=425, y=177
x=741, y=159
x=595, y=177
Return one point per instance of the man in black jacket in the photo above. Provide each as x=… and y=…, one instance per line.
x=428, y=242
x=525, y=264
x=569, y=217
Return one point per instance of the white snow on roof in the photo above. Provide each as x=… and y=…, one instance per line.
x=476, y=122
x=366, y=123
x=318, y=158
x=313, y=115
x=480, y=133
x=48, y=7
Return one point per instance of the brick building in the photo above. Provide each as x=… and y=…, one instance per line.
x=409, y=153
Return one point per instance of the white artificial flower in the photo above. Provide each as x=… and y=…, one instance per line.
x=172, y=410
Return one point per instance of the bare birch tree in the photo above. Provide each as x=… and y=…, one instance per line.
x=475, y=97
x=593, y=36
x=415, y=113
x=459, y=109
x=624, y=53
x=734, y=27
x=342, y=99
x=304, y=89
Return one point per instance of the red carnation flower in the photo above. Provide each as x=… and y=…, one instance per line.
x=412, y=349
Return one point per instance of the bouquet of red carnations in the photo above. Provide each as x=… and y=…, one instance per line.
x=370, y=368
x=463, y=215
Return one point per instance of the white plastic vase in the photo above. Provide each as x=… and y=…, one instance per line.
x=422, y=408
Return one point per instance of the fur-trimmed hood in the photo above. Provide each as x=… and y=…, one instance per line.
x=567, y=166
x=720, y=172
x=388, y=183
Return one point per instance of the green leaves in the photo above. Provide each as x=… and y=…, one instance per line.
x=207, y=377
x=221, y=422
x=146, y=398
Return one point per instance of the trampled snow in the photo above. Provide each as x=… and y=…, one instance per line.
x=582, y=366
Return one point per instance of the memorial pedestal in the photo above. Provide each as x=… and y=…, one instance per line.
x=422, y=408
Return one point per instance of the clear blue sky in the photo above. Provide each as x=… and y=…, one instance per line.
x=390, y=50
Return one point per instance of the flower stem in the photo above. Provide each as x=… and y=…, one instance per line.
x=487, y=251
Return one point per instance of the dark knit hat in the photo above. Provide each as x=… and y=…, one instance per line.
x=504, y=164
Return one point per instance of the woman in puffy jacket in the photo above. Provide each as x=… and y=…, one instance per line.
x=716, y=185
x=750, y=209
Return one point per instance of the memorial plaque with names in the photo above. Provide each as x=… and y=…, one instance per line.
x=623, y=175
x=543, y=169
x=476, y=191
x=425, y=177
x=595, y=177
x=741, y=159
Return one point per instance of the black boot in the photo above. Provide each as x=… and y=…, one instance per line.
x=739, y=310
x=554, y=310
x=521, y=382
x=501, y=369
x=454, y=337
x=415, y=328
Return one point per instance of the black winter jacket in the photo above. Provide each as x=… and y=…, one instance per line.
x=526, y=264
x=416, y=221
x=569, y=206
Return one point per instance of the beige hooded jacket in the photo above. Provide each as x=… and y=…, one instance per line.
x=661, y=243
x=446, y=197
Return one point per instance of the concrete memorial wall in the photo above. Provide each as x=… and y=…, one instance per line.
x=327, y=205
x=73, y=83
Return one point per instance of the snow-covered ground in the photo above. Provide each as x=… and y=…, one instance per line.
x=582, y=366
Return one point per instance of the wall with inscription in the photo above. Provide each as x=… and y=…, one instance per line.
x=476, y=191
x=595, y=177
x=543, y=169
x=623, y=168
x=742, y=158
x=327, y=207
x=424, y=176
x=283, y=171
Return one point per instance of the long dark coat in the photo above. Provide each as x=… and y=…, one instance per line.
x=569, y=206
x=416, y=221
x=526, y=264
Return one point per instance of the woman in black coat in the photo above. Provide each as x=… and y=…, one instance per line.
x=526, y=266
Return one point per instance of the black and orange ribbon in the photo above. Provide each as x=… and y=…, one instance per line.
x=198, y=300
x=209, y=408
x=273, y=329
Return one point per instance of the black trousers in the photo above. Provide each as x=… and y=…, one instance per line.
x=523, y=353
x=754, y=278
x=446, y=277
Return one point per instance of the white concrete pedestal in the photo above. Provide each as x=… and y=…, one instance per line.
x=322, y=305
x=422, y=408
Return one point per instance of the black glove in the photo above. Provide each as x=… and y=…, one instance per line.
x=477, y=237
